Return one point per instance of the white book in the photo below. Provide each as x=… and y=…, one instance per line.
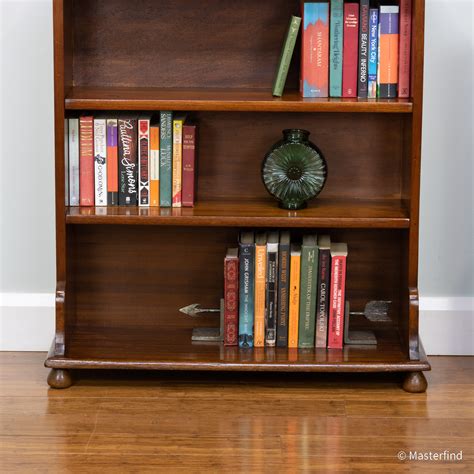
x=66, y=163
x=74, y=162
x=144, y=161
x=100, y=161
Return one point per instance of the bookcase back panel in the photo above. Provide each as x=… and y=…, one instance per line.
x=363, y=151
x=133, y=276
x=180, y=43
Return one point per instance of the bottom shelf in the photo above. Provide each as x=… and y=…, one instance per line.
x=147, y=349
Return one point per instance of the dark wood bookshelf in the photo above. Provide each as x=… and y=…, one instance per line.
x=123, y=273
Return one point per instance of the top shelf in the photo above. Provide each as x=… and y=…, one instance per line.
x=239, y=100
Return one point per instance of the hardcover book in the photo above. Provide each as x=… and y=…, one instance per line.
x=86, y=161
x=166, y=143
x=350, y=55
x=73, y=162
x=128, y=161
x=246, y=288
x=336, y=45
x=315, y=50
x=363, y=49
x=231, y=297
x=309, y=279
x=404, y=54
x=387, y=77
x=322, y=302
x=177, y=187
x=286, y=55
x=189, y=164
x=272, y=289
x=100, y=161
x=154, y=166
x=66, y=162
x=337, y=296
x=260, y=289
x=144, y=161
x=294, y=295
x=373, y=52
x=112, y=162
x=283, y=289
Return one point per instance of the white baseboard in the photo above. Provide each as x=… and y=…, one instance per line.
x=27, y=323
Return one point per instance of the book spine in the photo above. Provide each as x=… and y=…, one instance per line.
x=373, y=52
x=337, y=303
x=66, y=162
x=144, y=162
x=315, y=50
x=271, y=298
x=260, y=291
x=166, y=138
x=73, y=139
x=86, y=161
x=189, y=165
x=128, y=157
x=322, y=305
x=363, y=49
x=336, y=44
x=283, y=290
x=404, y=55
x=309, y=277
x=100, y=162
x=286, y=55
x=294, y=301
x=246, y=294
x=112, y=163
x=350, y=54
x=387, y=76
x=231, y=297
x=177, y=190
x=154, y=166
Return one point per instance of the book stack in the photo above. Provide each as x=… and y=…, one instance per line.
x=130, y=160
x=349, y=49
x=284, y=294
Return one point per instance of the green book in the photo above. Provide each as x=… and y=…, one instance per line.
x=308, y=294
x=335, y=48
x=166, y=148
x=285, y=56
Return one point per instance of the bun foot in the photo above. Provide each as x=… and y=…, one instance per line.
x=59, y=378
x=415, y=382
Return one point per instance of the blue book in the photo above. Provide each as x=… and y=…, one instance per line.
x=335, y=48
x=373, y=52
x=166, y=148
x=246, y=288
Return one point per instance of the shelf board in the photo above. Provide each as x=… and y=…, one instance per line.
x=329, y=213
x=172, y=349
x=242, y=100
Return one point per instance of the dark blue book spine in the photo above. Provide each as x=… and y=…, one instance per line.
x=373, y=52
x=246, y=294
x=363, y=48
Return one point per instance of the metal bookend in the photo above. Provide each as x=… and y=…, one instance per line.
x=206, y=334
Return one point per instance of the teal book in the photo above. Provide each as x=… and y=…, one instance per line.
x=166, y=154
x=335, y=48
x=286, y=55
x=246, y=288
x=308, y=291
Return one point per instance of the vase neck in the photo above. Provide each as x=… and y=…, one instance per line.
x=296, y=135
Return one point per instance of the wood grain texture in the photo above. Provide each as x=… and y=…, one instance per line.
x=180, y=422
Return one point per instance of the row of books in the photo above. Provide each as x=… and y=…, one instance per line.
x=351, y=50
x=129, y=160
x=278, y=293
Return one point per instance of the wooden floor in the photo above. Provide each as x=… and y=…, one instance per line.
x=182, y=422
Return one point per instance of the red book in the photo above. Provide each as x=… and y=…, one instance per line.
x=231, y=297
x=404, y=55
x=337, y=298
x=189, y=165
x=351, y=50
x=86, y=161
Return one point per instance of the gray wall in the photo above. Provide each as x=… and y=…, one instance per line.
x=27, y=214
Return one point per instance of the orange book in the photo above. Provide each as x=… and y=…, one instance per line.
x=294, y=296
x=260, y=290
x=154, y=166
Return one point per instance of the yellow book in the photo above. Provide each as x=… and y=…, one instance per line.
x=294, y=296
x=260, y=290
x=177, y=185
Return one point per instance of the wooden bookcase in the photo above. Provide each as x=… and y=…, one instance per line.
x=122, y=273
